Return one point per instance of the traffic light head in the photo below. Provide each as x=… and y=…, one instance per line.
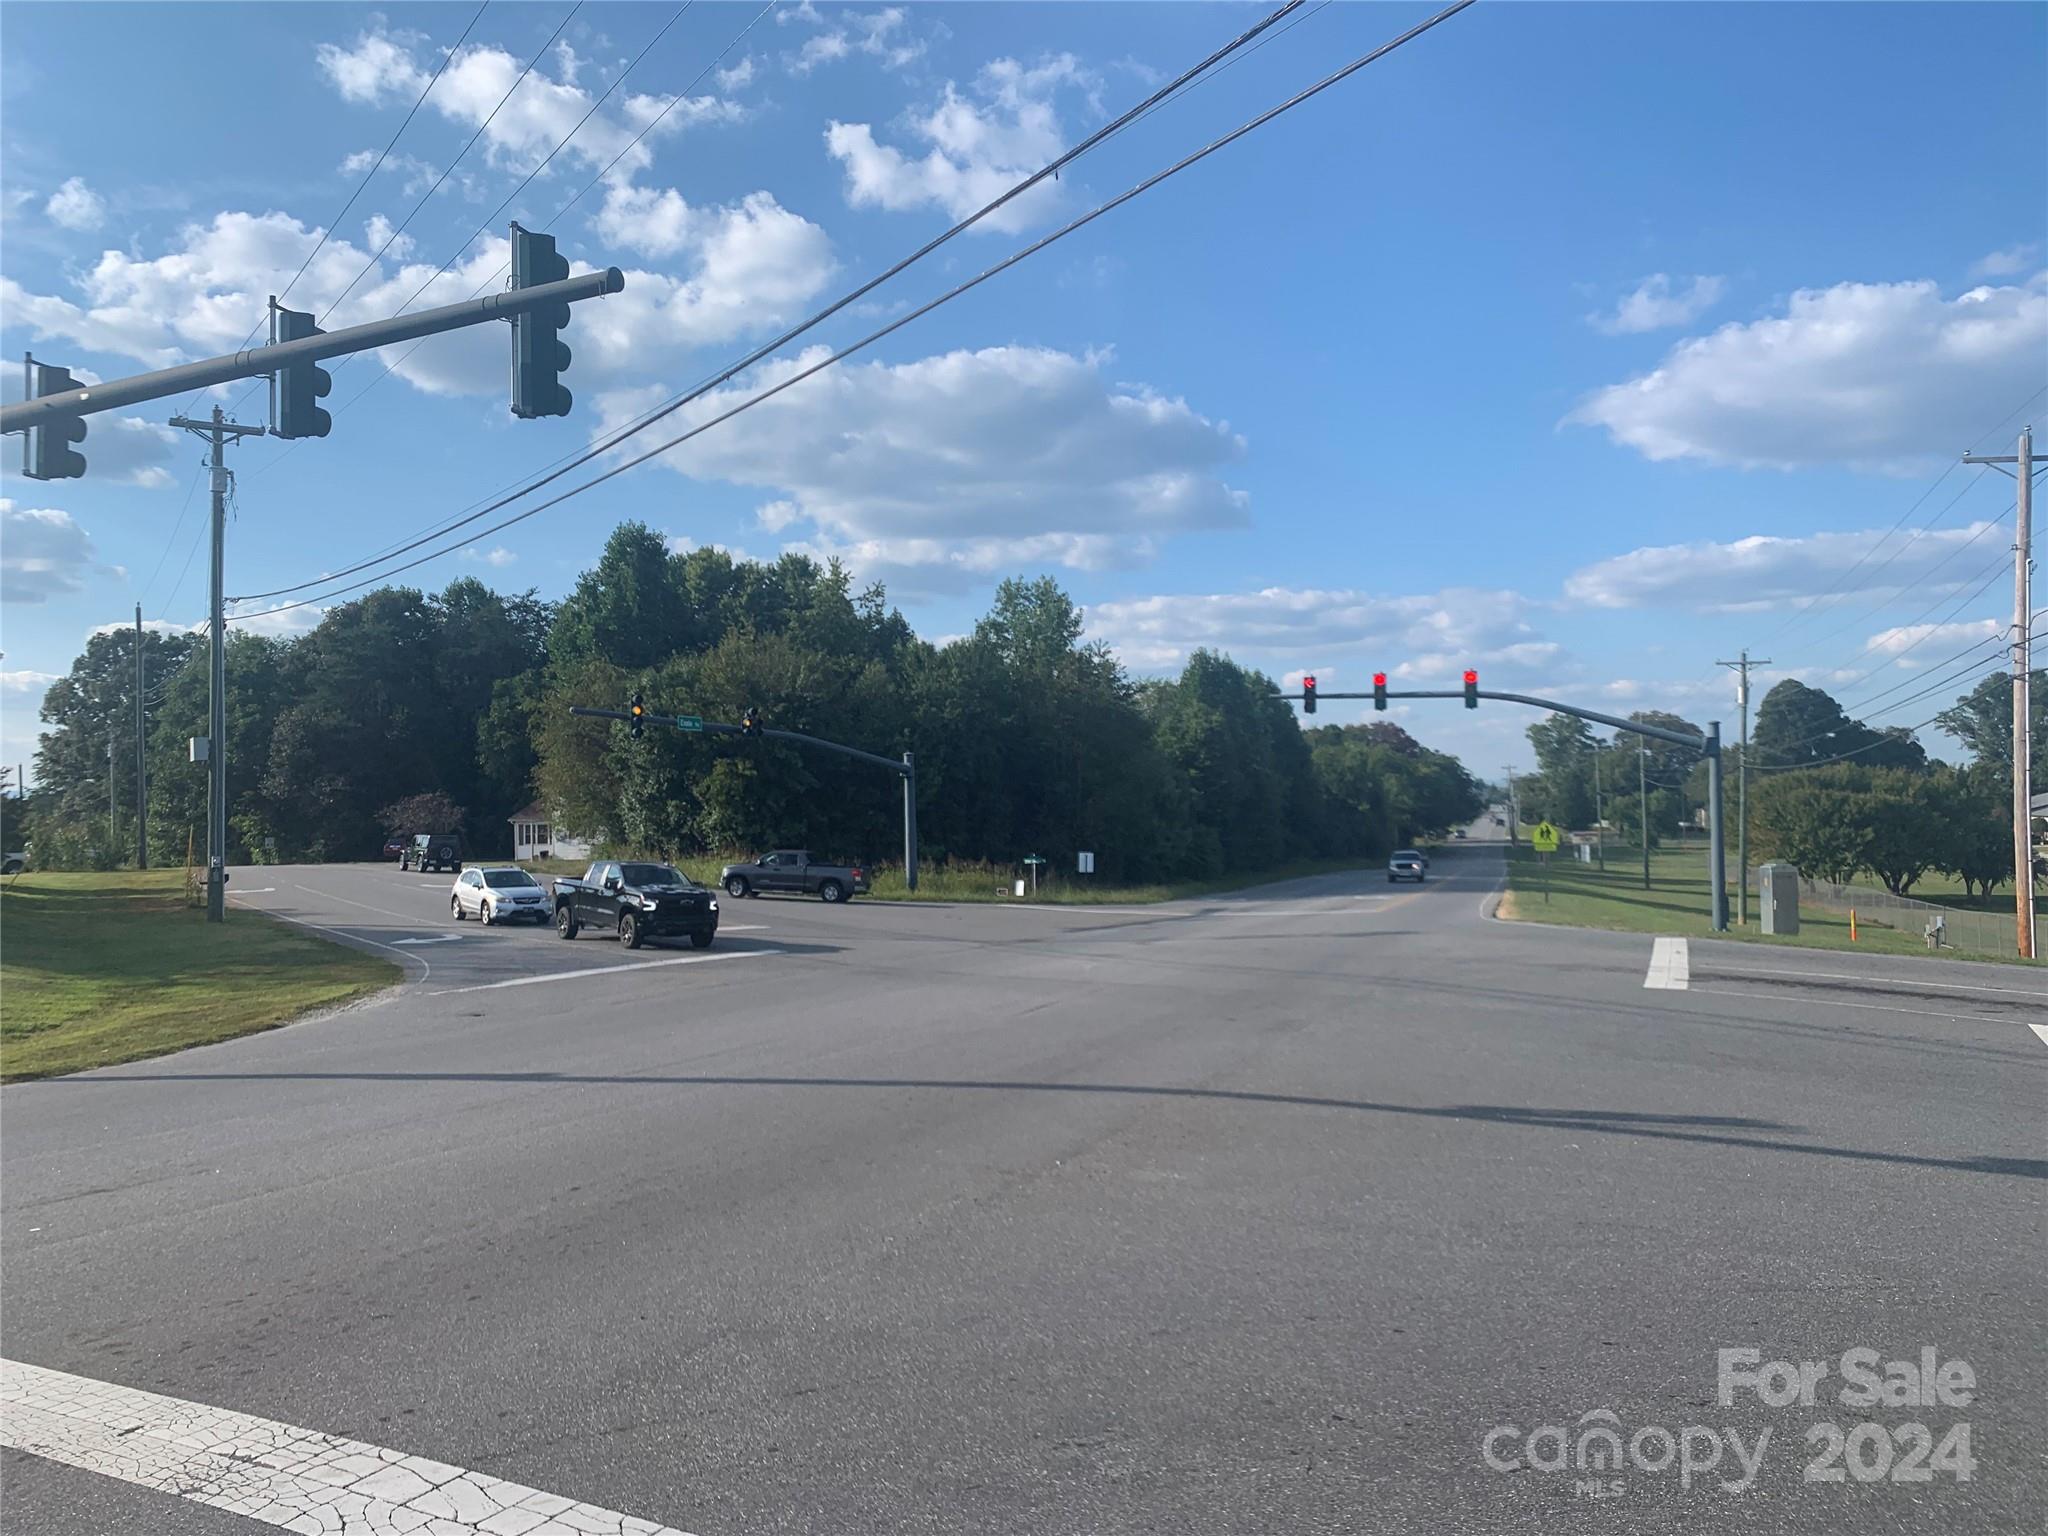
x=539, y=355
x=46, y=452
x=1379, y=690
x=1471, y=688
x=638, y=710
x=295, y=391
x=750, y=722
x=1308, y=694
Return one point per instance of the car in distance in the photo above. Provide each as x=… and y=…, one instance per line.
x=637, y=901
x=793, y=872
x=394, y=847
x=1406, y=864
x=433, y=850
x=500, y=894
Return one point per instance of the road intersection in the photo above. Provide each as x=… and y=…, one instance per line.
x=1256, y=1213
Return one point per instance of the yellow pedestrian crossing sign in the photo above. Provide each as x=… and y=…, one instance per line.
x=1543, y=837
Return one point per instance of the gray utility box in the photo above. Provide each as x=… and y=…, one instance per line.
x=1777, y=898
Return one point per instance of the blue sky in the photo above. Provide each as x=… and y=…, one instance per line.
x=1583, y=344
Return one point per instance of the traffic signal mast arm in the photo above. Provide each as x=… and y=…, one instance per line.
x=255, y=362
x=1676, y=738
x=720, y=728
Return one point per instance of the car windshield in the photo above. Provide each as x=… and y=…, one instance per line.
x=653, y=874
x=1407, y=853
x=508, y=879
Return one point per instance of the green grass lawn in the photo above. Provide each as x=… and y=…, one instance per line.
x=1583, y=896
x=102, y=968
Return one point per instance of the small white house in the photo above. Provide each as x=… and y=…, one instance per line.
x=534, y=836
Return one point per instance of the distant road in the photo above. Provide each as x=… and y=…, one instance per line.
x=1255, y=1214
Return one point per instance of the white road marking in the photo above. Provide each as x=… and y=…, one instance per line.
x=1670, y=966
x=588, y=971
x=2041, y=1030
x=1839, y=1002
x=426, y=970
x=404, y=917
x=743, y=927
x=2040, y=993
x=440, y=938
x=276, y=1474
x=257, y=890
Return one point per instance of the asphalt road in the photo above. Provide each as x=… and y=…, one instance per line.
x=1257, y=1214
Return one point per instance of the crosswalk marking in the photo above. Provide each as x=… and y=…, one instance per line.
x=1670, y=966
x=277, y=1474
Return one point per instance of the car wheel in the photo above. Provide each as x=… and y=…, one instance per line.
x=831, y=891
x=629, y=930
x=565, y=923
x=455, y=908
x=736, y=887
x=700, y=940
x=487, y=914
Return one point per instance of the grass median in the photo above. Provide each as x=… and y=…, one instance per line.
x=1676, y=903
x=103, y=968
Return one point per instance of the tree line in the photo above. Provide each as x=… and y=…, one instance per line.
x=402, y=706
x=1835, y=796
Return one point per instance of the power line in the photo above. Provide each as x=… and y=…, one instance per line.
x=639, y=424
x=391, y=365
x=176, y=527
x=371, y=264
x=1004, y=265
x=368, y=177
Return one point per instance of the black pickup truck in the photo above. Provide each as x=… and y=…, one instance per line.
x=637, y=902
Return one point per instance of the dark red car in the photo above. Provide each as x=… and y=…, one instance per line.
x=394, y=846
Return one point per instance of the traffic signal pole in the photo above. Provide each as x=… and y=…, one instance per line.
x=218, y=431
x=1709, y=745
x=907, y=768
x=257, y=362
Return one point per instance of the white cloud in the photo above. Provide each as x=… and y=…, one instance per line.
x=26, y=682
x=2010, y=262
x=76, y=206
x=1764, y=571
x=969, y=462
x=1655, y=305
x=882, y=34
x=981, y=143
x=379, y=65
x=1931, y=638
x=739, y=266
x=419, y=174
x=275, y=625
x=1871, y=375
x=521, y=128
x=1424, y=640
x=43, y=554
x=497, y=557
x=739, y=76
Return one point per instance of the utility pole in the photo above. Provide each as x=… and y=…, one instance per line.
x=141, y=772
x=1741, y=669
x=2022, y=704
x=113, y=797
x=1717, y=859
x=1643, y=780
x=909, y=821
x=1599, y=817
x=217, y=432
x=1514, y=809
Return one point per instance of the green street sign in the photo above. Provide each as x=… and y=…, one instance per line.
x=1032, y=858
x=689, y=722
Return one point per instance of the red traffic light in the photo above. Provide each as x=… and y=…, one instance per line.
x=1379, y=679
x=1308, y=693
x=1471, y=677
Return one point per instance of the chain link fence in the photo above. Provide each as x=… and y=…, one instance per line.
x=1990, y=931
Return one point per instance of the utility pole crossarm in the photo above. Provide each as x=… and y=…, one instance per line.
x=255, y=362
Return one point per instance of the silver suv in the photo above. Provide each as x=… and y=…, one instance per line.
x=1406, y=864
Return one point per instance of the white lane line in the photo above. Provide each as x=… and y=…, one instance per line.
x=1837, y=1002
x=276, y=1474
x=426, y=969
x=2038, y=993
x=620, y=969
x=1670, y=966
x=409, y=918
x=2040, y=1030
x=744, y=927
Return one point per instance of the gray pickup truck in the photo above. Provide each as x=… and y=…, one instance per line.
x=793, y=872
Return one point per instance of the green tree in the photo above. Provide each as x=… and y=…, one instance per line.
x=1975, y=844
x=1816, y=819
x=1982, y=719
